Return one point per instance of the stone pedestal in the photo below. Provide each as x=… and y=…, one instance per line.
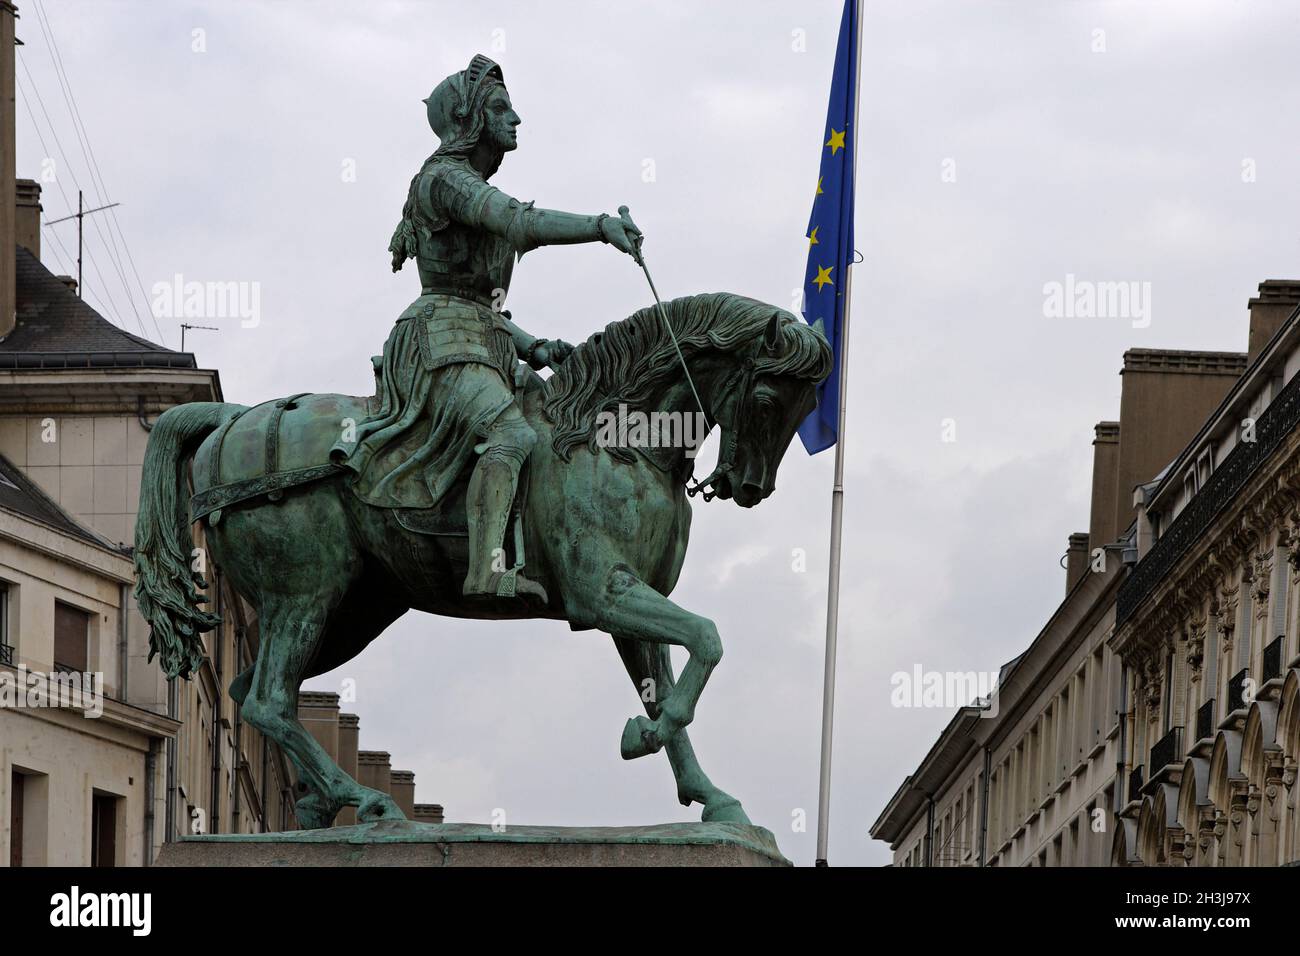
x=405, y=843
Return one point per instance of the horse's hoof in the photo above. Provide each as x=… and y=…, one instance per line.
x=314, y=812
x=378, y=807
x=639, y=738
x=725, y=811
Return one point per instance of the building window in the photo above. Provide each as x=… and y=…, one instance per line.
x=6, y=647
x=71, y=638
x=29, y=795
x=103, y=830
x=1204, y=467
x=15, y=818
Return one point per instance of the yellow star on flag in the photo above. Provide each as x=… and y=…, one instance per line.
x=812, y=238
x=819, y=185
x=823, y=277
x=836, y=142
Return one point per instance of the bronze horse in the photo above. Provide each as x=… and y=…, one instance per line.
x=604, y=529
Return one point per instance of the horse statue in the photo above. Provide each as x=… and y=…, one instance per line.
x=603, y=527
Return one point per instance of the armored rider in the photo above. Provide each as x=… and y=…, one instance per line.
x=447, y=382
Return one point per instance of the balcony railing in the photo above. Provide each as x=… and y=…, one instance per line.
x=1205, y=720
x=1135, y=781
x=1273, y=660
x=87, y=677
x=1168, y=750
x=6, y=655
x=1237, y=690
x=1220, y=491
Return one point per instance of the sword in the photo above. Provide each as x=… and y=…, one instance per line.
x=640, y=260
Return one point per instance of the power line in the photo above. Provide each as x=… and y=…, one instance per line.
x=88, y=153
x=62, y=259
x=115, y=260
x=104, y=286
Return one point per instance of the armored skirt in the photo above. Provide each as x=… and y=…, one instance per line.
x=447, y=375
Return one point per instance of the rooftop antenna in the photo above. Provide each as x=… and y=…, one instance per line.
x=80, y=216
x=184, y=326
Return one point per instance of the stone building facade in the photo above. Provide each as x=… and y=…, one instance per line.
x=164, y=758
x=1208, y=625
x=77, y=399
x=124, y=760
x=1155, y=718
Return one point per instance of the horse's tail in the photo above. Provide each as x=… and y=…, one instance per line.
x=166, y=584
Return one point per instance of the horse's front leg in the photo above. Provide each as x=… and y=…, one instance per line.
x=651, y=670
x=633, y=609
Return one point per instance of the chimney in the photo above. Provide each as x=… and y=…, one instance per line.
x=1105, y=485
x=27, y=215
x=8, y=169
x=1076, y=560
x=1277, y=299
x=375, y=770
x=318, y=712
x=349, y=737
x=428, y=813
x=1165, y=399
x=402, y=790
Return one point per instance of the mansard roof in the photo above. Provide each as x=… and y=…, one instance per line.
x=58, y=329
x=21, y=495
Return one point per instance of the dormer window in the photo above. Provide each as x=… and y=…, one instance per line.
x=1204, y=467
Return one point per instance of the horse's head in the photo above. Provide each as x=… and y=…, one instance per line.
x=761, y=404
x=756, y=366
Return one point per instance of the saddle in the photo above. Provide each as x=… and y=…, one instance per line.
x=241, y=460
x=263, y=451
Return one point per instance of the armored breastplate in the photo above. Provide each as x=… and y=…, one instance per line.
x=453, y=256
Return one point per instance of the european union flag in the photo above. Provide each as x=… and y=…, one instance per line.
x=830, y=233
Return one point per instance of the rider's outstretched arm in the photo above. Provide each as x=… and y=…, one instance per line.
x=460, y=193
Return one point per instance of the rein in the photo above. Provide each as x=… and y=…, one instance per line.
x=738, y=384
x=727, y=457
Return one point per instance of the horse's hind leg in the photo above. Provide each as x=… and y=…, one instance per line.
x=291, y=633
x=651, y=669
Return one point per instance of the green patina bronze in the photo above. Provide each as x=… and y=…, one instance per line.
x=333, y=515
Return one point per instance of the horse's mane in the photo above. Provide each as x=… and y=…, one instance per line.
x=631, y=357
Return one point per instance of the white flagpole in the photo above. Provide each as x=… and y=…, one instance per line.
x=837, y=501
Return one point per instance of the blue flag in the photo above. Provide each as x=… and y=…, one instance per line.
x=830, y=232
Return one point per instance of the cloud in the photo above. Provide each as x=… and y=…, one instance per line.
x=1117, y=165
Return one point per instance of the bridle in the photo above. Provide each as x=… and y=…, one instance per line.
x=737, y=384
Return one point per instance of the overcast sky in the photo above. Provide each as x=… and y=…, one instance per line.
x=1004, y=146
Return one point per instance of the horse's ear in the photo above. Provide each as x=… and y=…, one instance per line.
x=820, y=328
x=772, y=335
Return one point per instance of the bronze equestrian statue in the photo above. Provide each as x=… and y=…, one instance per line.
x=333, y=515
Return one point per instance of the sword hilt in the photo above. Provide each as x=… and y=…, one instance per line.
x=623, y=213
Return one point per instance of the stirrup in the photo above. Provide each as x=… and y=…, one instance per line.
x=507, y=582
x=507, y=586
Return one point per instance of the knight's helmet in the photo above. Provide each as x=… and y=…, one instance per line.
x=455, y=107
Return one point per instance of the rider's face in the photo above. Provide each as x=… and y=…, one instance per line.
x=500, y=120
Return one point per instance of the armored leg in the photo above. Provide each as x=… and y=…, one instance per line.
x=488, y=499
